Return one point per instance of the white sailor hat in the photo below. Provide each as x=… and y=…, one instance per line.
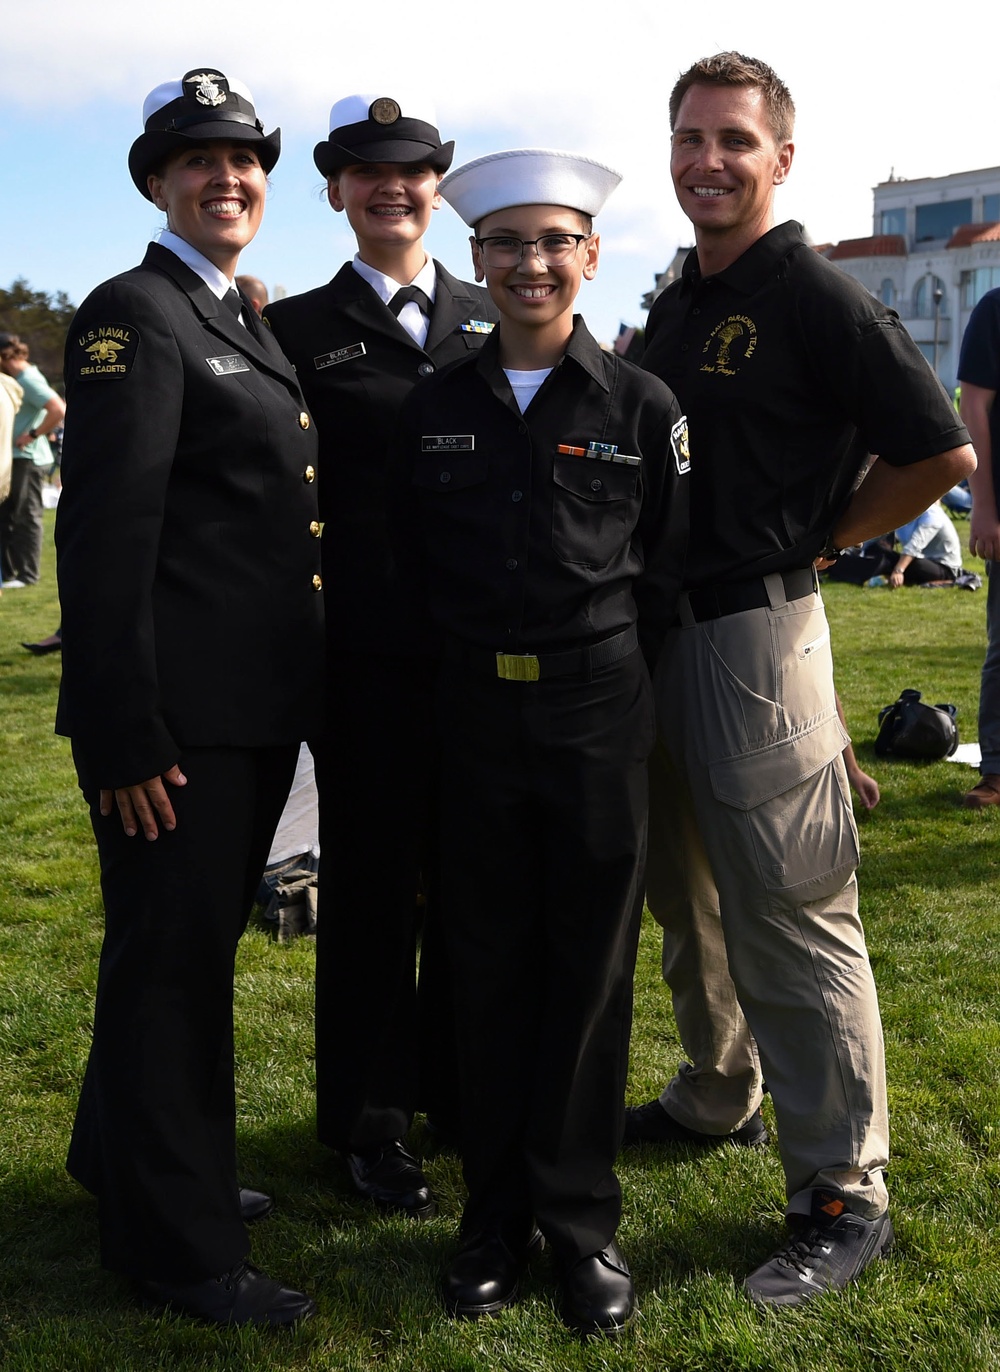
x=379, y=128
x=203, y=106
x=528, y=176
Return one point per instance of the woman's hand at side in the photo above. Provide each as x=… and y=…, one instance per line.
x=142, y=803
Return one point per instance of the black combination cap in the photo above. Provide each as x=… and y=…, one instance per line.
x=203, y=106
x=374, y=128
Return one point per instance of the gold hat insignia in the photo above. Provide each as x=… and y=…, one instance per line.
x=105, y=350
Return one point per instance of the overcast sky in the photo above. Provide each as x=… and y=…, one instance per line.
x=877, y=90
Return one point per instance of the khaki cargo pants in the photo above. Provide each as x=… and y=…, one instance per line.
x=749, y=789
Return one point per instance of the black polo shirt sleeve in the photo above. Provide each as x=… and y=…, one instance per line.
x=872, y=368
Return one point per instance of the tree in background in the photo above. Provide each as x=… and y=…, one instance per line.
x=42, y=321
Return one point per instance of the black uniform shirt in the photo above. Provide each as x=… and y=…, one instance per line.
x=356, y=365
x=791, y=373
x=520, y=548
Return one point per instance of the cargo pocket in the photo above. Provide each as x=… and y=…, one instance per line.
x=798, y=812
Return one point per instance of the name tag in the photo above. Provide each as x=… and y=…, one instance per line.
x=225, y=366
x=339, y=355
x=447, y=443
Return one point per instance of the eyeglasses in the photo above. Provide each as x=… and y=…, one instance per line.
x=553, y=250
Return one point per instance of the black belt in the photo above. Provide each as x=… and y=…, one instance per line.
x=538, y=666
x=748, y=595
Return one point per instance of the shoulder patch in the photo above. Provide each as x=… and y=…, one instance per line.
x=105, y=352
x=680, y=445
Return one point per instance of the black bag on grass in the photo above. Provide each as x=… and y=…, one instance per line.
x=912, y=729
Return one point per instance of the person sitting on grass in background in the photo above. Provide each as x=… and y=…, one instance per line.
x=931, y=554
x=539, y=510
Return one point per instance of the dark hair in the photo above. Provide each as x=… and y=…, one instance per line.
x=734, y=69
x=586, y=221
x=12, y=347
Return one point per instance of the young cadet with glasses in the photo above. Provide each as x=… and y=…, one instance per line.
x=359, y=344
x=539, y=511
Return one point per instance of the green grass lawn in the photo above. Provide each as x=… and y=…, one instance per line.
x=692, y=1225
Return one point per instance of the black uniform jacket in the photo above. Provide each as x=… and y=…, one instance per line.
x=356, y=364
x=187, y=531
x=519, y=534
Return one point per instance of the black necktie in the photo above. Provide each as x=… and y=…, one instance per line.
x=406, y=294
x=237, y=306
x=232, y=302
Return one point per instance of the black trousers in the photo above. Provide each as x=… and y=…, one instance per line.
x=21, y=526
x=543, y=843
x=384, y=1044
x=155, y=1132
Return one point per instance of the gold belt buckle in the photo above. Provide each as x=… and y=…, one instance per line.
x=517, y=667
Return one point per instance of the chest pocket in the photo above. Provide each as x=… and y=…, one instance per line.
x=594, y=509
x=449, y=473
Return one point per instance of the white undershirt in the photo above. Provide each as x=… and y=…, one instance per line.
x=525, y=385
x=216, y=281
x=411, y=316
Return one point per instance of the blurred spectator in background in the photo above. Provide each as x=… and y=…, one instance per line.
x=11, y=395
x=254, y=290
x=42, y=410
x=931, y=553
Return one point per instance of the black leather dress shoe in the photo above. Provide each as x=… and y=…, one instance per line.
x=242, y=1296
x=650, y=1123
x=482, y=1278
x=391, y=1177
x=254, y=1205
x=597, y=1293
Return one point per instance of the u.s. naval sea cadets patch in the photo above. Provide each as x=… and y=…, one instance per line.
x=106, y=351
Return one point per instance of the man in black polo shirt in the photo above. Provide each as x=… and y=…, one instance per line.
x=791, y=375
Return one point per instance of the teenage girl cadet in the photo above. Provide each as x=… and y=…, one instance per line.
x=389, y=318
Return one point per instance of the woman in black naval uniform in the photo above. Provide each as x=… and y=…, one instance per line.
x=186, y=538
x=359, y=345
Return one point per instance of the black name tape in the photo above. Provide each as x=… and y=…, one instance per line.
x=447, y=443
x=339, y=355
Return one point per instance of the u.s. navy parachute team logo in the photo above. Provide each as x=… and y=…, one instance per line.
x=729, y=344
x=106, y=351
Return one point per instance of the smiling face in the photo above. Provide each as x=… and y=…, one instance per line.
x=388, y=205
x=725, y=162
x=533, y=295
x=214, y=199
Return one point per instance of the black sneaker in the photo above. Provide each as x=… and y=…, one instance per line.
x=650, y=1123
x=831, y=1248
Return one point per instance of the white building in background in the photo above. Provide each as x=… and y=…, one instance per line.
x=934, y=251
